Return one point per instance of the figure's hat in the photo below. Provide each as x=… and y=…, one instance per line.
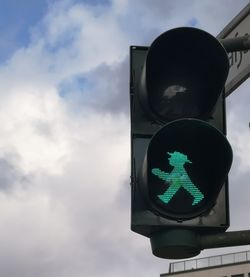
x=180, y=156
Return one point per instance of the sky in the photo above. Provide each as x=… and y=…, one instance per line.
x=65, y=133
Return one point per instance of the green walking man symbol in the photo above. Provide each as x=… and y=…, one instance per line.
x=177, y=178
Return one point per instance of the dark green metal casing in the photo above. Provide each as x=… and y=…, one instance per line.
x=143, y=220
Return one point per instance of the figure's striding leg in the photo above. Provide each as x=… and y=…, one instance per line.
x=170, y=192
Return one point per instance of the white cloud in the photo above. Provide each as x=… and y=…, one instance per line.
x=240, y=139
x=120, y=7
x=34, y=127
x=35, y=122
x=77, y=39
x=34, y=233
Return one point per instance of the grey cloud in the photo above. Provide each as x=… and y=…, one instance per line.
x=105, y=89
x=237, y=103
x=123, y=195
x=150, y=18
x=238, y=122
x=116, y=81
x=43, y=128
x=10, y=175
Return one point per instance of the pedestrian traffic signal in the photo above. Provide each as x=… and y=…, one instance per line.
x=187, y=162
x=177, y=179
x=180, y=156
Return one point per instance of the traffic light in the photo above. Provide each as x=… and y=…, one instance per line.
x=180, y=156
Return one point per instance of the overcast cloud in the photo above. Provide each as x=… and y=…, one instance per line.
x=65, y=141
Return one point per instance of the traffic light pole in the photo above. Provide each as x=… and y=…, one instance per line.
x=235, y=238
x=181, y=243
x=228, y=239
x=236, y=44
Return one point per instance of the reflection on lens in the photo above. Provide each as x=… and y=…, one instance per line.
x=176, y=101
x=171, y=91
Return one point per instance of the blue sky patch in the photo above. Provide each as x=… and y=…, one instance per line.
x=193, y=22
x=65, y=40
x=74, y=87
x=97, y=2
x=16, y=19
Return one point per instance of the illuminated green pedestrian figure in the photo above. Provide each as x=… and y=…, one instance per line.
x=177, y=178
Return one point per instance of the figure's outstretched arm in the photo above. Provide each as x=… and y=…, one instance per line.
x=161, y=174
